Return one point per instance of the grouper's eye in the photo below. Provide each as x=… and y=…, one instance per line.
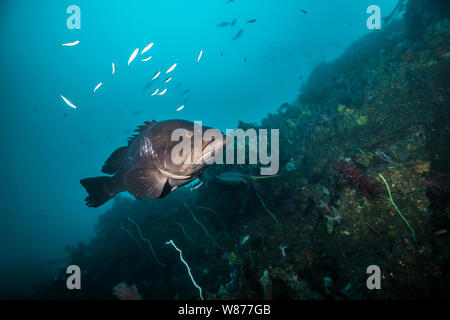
x=189, y=134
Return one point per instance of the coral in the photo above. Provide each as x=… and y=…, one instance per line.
x=143, y=239
x=264, y=205
x=360, y=119
x=347, y=172
x=328, y=284
x=438, y=184
x=288, y=276
x=331, y=214
x=124, y=292
x=203, y=227
x=170, y=242
x=234, y=259
x=266, y=284
x=396, y=208
x=290, y=166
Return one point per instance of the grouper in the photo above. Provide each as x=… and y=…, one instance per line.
x=145, y=167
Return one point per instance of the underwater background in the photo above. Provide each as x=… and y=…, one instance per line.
x=364, y=149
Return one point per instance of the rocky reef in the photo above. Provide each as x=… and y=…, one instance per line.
x=364, y=158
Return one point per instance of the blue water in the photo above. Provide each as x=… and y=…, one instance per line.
x=47, y=147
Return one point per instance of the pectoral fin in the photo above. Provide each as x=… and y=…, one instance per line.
x=114, y=161
x=145, y=183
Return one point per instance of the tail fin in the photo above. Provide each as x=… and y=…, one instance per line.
x=100, y=190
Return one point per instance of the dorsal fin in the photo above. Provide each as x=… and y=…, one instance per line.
x=140, y=129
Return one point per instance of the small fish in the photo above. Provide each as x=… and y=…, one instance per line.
x=235, y=177
x=199, y=56
x=167, y=79
x=251, y=21
x=155, y=92
x=301, y=78
x=148, y=85
x=178, y=85
x=304, y=11
x=171, y=68
x=146, y=48
x=221, y=53
x=113, y=68
x=185, y=100
x=133, y=55
x=440, y=232
x=238, y=34
x=223, y=24
x=233, y=22
x=180, y=107
x=145, y=167
x=98, y=86
x=68, y=102
x=71, y=44
x=185, y=91
x=245, y=239
x=156, y=75
x=245, y=59
x=146, y=59
x=198, y=185
x=162, y=92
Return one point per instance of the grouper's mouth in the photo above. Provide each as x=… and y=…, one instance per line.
x=211, y=149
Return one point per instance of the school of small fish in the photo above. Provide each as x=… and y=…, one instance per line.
x=135, y=52
x=157, y=74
